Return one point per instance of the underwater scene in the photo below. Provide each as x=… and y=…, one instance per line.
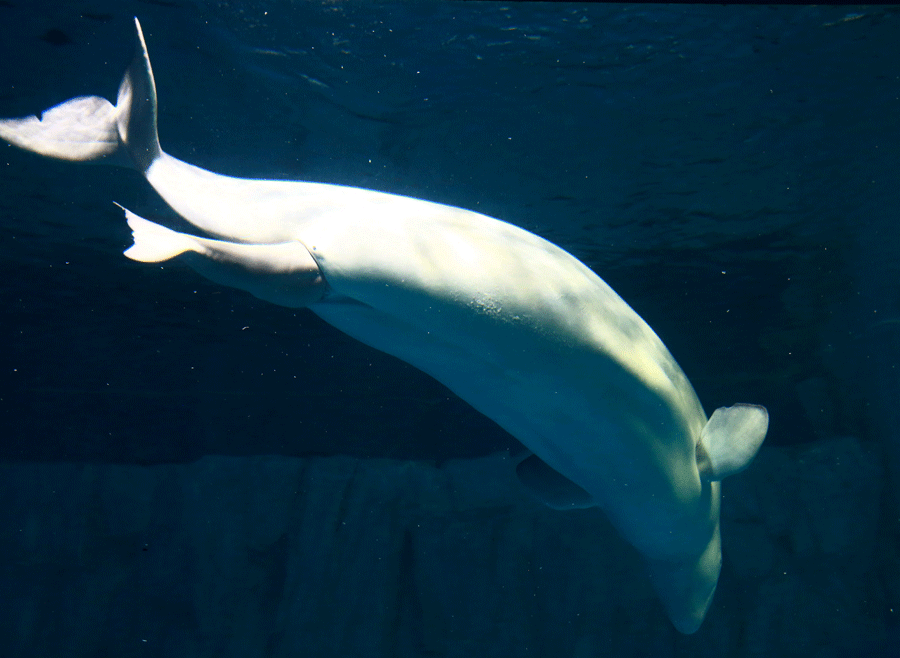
x=449, y=329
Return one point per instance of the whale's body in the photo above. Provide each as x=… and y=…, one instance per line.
x=514, y=325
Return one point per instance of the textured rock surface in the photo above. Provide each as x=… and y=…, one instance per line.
x=274, y=556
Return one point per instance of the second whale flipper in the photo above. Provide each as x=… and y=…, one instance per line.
x=511, y=323
x=283, y=274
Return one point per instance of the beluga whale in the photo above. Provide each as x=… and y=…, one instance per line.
x=514, y=325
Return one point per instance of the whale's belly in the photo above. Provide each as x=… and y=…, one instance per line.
x=533, y=339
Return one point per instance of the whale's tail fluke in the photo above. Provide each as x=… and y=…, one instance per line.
x=82, y=129
x=136, y=108
x=91, y=129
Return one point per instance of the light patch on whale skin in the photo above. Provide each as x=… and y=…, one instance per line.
x=487, y=305
x=513, y=324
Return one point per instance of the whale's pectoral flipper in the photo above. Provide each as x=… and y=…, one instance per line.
x=91, y=129
x=283, y=273
x=554, y=490
x=730, y=440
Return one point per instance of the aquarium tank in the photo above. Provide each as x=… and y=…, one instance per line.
x=357, y=416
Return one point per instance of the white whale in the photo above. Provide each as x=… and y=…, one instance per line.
x=514, y=325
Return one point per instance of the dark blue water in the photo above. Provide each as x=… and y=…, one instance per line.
x=730, y=171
